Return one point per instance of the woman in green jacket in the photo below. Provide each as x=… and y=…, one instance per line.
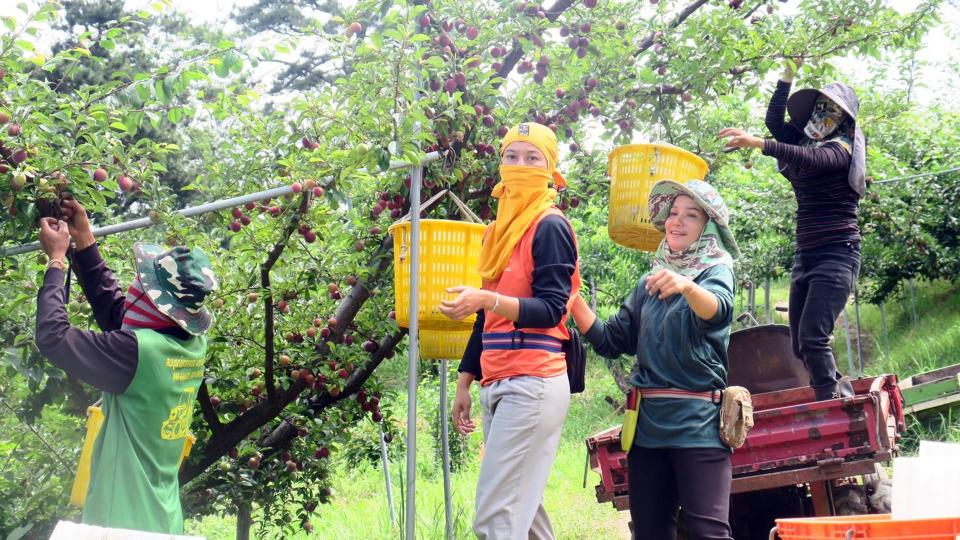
x=677, y=323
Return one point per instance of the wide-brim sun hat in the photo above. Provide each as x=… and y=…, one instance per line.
x=177, y=281
x=707, y=198
x=800, y=104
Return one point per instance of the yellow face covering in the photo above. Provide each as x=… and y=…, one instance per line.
x=523, y=194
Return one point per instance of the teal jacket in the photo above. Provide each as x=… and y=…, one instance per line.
x=674, y=349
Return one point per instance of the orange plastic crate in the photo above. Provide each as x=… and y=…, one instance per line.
x=875, y=527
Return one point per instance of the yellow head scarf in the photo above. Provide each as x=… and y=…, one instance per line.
x=523, y=194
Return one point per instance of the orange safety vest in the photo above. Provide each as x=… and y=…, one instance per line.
x=509, y=352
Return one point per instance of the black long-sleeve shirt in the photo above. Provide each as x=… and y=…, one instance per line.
x=827, y=207
x=106, y=360
x=554, y=262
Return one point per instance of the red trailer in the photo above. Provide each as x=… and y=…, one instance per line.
x=802, y=455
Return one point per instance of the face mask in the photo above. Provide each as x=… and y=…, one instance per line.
x=824, y=119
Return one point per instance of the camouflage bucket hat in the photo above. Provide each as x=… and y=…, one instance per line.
x=177, y=282
x=706, y=197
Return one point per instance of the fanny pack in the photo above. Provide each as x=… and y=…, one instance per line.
x=736, y=411
x=575, y=351
x=736, y=416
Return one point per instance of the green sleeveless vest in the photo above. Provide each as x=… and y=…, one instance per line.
x=136, y=459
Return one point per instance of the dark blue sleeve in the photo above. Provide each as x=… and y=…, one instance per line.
x=105, y=360
x=831, y=156
x=100, y=287
x=776, y=112
x=470, y=363
x=554, y=262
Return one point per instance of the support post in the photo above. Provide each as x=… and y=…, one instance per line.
x=856, y=312
x=414, y=355
x=883, y=324
x=445, y=452
x=416, y=179
x=913, y=300
x=766, y=300
x=200, y=209
x=385, y=460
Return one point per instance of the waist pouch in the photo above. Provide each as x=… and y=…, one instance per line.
x=575, y=351
x=736, y=416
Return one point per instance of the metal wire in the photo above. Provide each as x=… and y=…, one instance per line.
x=222, y=204
x=912, y=176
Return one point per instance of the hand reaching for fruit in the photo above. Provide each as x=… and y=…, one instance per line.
x=54, y=238
x=76, y=217
x=790, y=68
x=740, y=139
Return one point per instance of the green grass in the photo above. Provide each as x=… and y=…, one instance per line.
x=933, y=342
x=360, y=509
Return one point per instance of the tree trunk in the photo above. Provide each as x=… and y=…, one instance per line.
x=244, y=521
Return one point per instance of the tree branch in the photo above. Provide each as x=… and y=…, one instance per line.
x=361, y=374
x=516, y=52
x=210, y=415
x=281, y=436
x=268, y=326
x=265, y=411
x=677, y=21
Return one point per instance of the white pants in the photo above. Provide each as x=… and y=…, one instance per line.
x=522, y=421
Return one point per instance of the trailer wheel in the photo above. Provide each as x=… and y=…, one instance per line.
x=850, y=501
x=879, y=489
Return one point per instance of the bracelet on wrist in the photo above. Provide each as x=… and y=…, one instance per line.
x=496, y=303
x=56, y=262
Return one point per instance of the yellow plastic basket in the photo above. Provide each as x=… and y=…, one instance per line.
x=634, y=169
x=440, y=345
x=449, y=255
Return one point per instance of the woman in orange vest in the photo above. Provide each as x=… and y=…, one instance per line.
x=528, y=263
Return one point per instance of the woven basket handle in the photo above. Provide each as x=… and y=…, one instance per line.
x=432, y=201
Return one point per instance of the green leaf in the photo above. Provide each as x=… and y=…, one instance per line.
x=143, y=92
x=20, y=532
x=161, y=91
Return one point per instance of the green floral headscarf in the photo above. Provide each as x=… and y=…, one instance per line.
x=716, y=244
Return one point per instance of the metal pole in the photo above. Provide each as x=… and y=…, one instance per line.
x=445, y=451
x=752, y=298
x=386, y=475
x=913, y=300
x=766, y=300
x=222, y=204
x=883, y=324
x=846, y=326
x=856, y=311
x=416, y=174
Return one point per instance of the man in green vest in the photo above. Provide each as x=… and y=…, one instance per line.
x=148, y=360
